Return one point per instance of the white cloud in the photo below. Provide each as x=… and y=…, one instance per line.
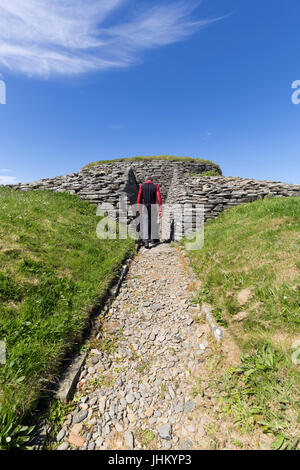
x=8, y=179
x=45, y=37
x=5, y=170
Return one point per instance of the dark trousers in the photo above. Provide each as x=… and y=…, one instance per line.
x=150, y=226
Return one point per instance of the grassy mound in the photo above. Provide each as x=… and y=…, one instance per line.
x=156, y=157
x=53, y=268
x=250, y=273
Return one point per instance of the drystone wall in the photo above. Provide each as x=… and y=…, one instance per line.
x=180, y=183
x=217, y=194
x=105, y=182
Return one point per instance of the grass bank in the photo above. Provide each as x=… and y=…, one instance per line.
x=53, y=269
x=250, y=274
x=155, y=157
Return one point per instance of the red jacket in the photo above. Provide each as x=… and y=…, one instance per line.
x=149, y=194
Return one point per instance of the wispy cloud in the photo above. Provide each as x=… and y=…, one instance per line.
x=68, y=37
x=4, y=179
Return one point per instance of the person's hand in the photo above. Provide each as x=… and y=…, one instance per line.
x=160, y=214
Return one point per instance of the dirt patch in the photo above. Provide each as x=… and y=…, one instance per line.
x=111, y=326
x=240, y=317
x=284, y=341
x=230, y=352
x=195, y=286
x=243, y=296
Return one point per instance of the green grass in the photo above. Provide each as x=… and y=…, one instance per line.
x=255, y=247
x=145, y=437
x=53, y=270
x=156, y=157
x=207, y=173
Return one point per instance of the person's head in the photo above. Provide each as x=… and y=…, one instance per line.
x=148, y=178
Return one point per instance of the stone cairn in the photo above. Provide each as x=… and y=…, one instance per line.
x=181, y=182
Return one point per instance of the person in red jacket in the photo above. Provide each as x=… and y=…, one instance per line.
x=148, y=197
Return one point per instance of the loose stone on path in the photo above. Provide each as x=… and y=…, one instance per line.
x=137, y=391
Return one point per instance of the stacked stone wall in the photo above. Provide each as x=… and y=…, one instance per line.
x=107, y=181
x=181, y=182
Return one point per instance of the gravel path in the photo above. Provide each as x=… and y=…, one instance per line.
x=139, y=386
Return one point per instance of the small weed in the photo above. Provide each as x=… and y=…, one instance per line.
x=219, y=318
x=109, y=344
x=163, y=390
x=210, y=173
x=214, y=443
x=200, y=320
x=56, y=414
x=237, y=443
x=12, y=434
x=106, y=381
x=118, y=370
x=84, y=348
x=132, y=310
x=197, y=389
x=143, y=367
x=144, y=436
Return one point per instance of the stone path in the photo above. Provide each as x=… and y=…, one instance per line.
x=139, y=387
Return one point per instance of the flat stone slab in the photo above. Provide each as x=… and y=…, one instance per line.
x=70, y=377
x=165, y=431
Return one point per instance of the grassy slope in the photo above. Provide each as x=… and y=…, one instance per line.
x=256, y=248
x=53, y=268
x=157, y=157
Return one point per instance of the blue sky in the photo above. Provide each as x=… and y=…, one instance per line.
x=98, y=79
